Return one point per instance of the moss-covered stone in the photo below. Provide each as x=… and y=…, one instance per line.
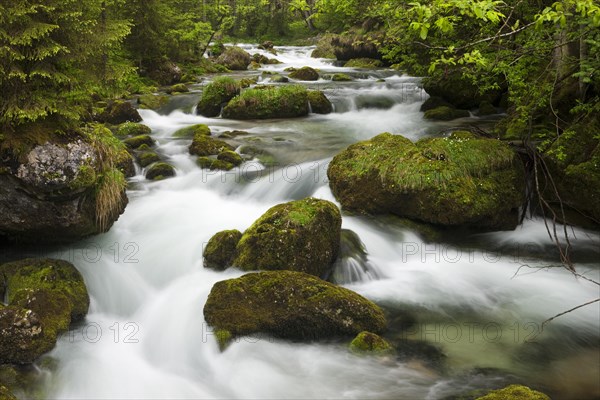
x=339, y=77
x=191, y=131
x=486, y=108
x=207, y=146
x=146, y=158
x=269, y=102
x=52, y=307
x=514, y=392
x=319, y=103
x=220, y=249
x=302, y=235
x=214, y=164
x=265, y=157
x=305, y=74
x=461, y=180
x=235, y=58
x=216, y=94
x=132, y=129
x=48, y=274
x=118, y=112
x=279, y=79
x=152, y=101
x=290, y=305
x=22, y=338
x=444, y=113
x=6, y=394
x=324, y=47
x=369, y=63
x=254, y=65
x=230, y=157
x=434, y=102
x=137, y=141
x=459, y=91
x=367, y=342
x=247, y=82
x=159, y=171
x=177, y=88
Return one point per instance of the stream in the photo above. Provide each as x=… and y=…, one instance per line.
x=475, y=303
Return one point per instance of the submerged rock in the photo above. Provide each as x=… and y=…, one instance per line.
x=302, y=235
x=461, y=180
x=290, y=305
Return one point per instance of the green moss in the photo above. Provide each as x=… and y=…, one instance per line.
x=152, y=101
x=367, y=342
x=247, y=82
x=279, y=79
x=216, y=94
x=456, y=180
x=339, y=77
x=146, y=158
x=270, y=102
x=51, y=275
x=22, y=336
x=230, y=157
x=302, y=235
x=515, y=392
x=220, y=249
x=444, y=113
x=224, y=338
x=369, y=63
x=214, y=164
x=207, y=146
x=305, y=74
x=132, y=129
x=319, y=103
x=267, y=159
x=118, y=112
x=51, y=306
x=191, y=131
x=177, y=88
x=5, y=393
x=159, y=171
x=137, y=141
x=85, y=178
x=290, y=305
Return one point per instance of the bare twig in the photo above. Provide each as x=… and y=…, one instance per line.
x=568, y=311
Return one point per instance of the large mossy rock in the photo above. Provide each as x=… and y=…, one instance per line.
x=444, y=113
x=128, y=129
x=119, y=112
x=60, y=188
x=305, y=74
x=203, y=146
x=216, y=94
x=514, y=392
x=460, y=180
x=459, y=92
x=319, y=103
x=574, y=163
x=191, y=131
x=159, y=171
x=290, y=305
x=367, y=63
x=44, y=297
x=301, y=235
x=235, y=58
x=268, y=102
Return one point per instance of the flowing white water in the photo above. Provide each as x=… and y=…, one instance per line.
x=145, y=335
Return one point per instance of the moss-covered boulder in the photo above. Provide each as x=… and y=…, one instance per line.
x=235, y=58
x=339, y=77
x=230, y=157
x=459, y=91
x=159, y=171
x=363, y=62
x=214, y=164
x=137, y=141
x=279, y=79
x=460, y=180
x=59, y=187
x=514, y=392
x=191, y=131
x=574, y=162
x=434, y=102
x=177, y=88
x=146, y=158
x=305, y=74
x=370, y=343
x=132, y=129
x=152, y=101
x=46, y=274
x=324, y=47
x=290, y=305
x=118, y=112
x=220, y=249
x=302, y=235
x=268, y=102
x=319, y=103
x=445, y=113
x=216, y=94
x=207, y=146
x=22, y=338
